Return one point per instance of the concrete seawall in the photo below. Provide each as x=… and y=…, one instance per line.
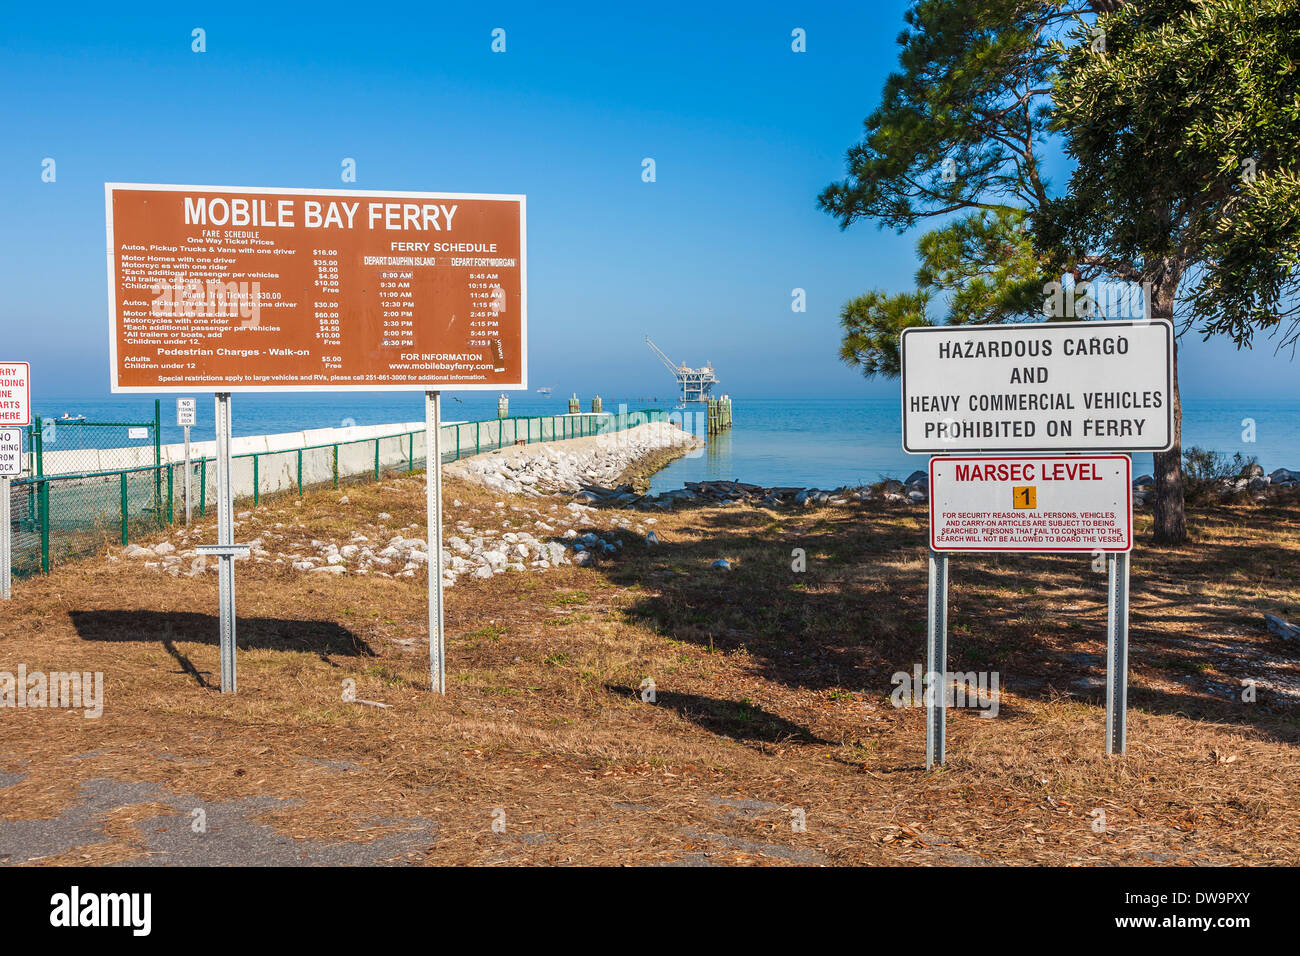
x=62, y=462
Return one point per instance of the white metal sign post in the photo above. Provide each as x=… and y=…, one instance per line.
x=936, y=662
x=225, y=550
x=185, y=417
x=433, y=502
x=1117, y=653
x=6, y=541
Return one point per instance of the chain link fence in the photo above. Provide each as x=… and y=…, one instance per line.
x=62, y=515
x=70, y=446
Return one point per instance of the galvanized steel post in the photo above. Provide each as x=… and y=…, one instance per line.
x=433, y=502
x=225, y=538
x=1117, y=581
x=936, y=662
x=6, y=540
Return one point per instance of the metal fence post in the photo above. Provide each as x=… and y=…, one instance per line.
x=157, y=458
x=189, y=479
x=336, y=465
x=376, y=459
x=39, y=445
x=410, y=452
x=171, y=514
x=125, y=511
x=43, y=506
x=299, y=472
x=257, y=484
x=203, y=486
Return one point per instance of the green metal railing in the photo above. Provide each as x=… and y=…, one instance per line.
x=57, y=517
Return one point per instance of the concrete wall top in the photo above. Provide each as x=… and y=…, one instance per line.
x=141, y=456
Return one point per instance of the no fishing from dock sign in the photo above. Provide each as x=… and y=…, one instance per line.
x=1046, y=386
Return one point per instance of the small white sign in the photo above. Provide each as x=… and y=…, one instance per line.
x=134, y=434
x=185, y=411
x=15, y=393
x=1043, y=386
x=11, y=452
x=1031, y=503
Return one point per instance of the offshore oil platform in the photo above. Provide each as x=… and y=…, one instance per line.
x=696, y=385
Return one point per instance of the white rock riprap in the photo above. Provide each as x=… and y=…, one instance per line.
x=565, y=466
x=481, y=544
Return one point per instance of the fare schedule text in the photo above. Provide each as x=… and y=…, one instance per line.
x=251, y=289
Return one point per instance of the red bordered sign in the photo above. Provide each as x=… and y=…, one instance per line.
x=15, y=394
x=1035, y=503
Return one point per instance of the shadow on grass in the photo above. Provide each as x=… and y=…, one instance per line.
x=857, y=613
x=739, y=720
x=251, y=633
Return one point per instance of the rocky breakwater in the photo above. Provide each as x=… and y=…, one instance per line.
x=572, y=466
x=912, y=491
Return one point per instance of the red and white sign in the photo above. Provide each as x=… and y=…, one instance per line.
x=1031, y=503
x=15, y=393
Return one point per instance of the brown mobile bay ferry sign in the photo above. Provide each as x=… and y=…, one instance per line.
x=234, y=289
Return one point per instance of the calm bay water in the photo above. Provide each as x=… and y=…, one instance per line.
x=802, y=442
x=828, y=443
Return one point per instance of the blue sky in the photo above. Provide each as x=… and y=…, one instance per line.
x=743, y=131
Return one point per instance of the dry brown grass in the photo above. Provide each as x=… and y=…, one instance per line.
x=772, y=695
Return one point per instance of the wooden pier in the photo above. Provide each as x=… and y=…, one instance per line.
x=719, y=414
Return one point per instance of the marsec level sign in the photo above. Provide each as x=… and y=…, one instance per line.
x=1070, y=503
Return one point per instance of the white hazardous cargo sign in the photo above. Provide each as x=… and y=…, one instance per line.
x=1045, y=386
x=1031, y=503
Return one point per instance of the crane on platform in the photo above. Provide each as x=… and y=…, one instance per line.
x=695, y=383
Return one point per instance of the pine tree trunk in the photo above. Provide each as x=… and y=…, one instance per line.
x=1168, y=507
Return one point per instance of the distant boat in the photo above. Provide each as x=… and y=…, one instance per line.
x=65, y=417
x=546, y=390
